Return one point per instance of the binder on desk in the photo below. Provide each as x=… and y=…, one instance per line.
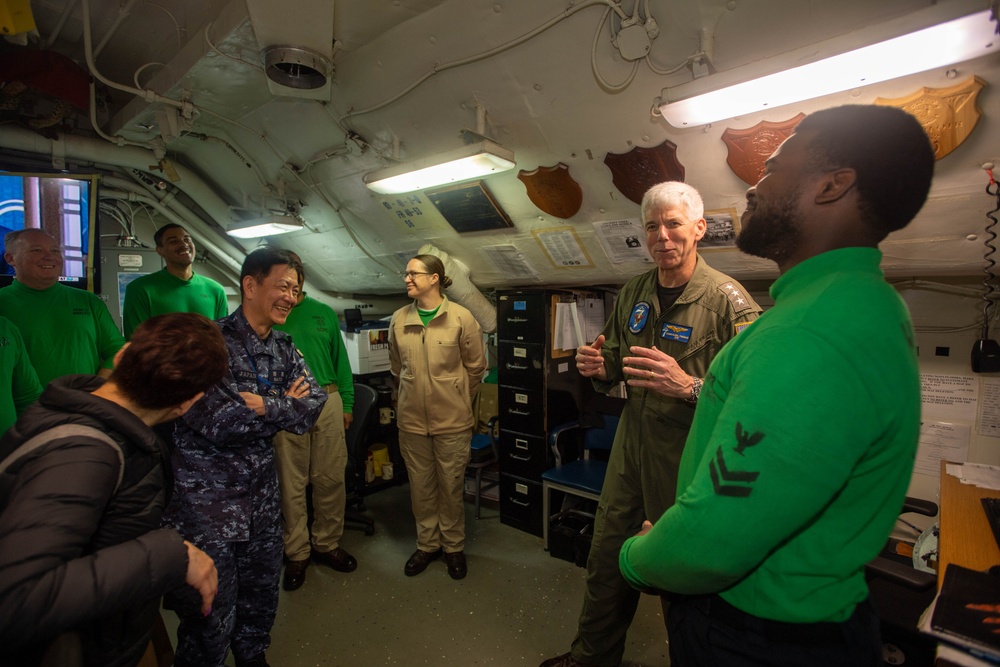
x=966, y=612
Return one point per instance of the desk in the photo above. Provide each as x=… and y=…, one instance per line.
x=966, y=538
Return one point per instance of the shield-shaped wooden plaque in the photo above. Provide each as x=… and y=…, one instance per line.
x=948, y=114
x=553, y=190
x=750, y=148
x=641, y=168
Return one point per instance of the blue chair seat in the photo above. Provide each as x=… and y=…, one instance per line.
x=482, y=448
x=484, y=455
x=583, y=475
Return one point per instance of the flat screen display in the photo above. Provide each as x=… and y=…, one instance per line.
x=61, y=204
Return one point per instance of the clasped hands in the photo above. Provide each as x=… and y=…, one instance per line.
x=650, y=368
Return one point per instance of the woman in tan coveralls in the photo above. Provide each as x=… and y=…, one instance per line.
x=438, y=358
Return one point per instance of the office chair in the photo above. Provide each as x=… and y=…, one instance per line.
x=900, y=594
x=584, y=477
x=359, y=436
x=485, y=453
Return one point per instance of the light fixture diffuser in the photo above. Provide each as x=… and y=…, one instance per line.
x=270, y=225
x=474, y=160
x=937, y=46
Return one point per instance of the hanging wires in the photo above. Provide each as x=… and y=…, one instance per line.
x=992, y=189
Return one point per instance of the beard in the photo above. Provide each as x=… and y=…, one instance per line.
x=772, y=230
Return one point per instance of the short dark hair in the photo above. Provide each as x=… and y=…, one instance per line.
x=158, y=234
x=170, y=359
x=13, y=240
x=434, y=265
x=302, y=267
x=259, y=263
x=886, y=147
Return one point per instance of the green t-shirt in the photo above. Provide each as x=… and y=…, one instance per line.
x=16, y=373
x=800, y=453
x=427, y=315
x=315, y=331
x=162, y=292
x=65, y=330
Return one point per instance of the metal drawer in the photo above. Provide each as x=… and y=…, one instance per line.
x=522, y=410
x=523, y=455
x=522, y=317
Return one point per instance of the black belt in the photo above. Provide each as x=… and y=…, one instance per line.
x=776, y=631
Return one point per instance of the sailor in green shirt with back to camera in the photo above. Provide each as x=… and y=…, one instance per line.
x=804, y=438
x=318, y=456
x=176, y=288
x=65, y=330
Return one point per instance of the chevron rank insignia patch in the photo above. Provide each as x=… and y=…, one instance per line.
x=734, y=483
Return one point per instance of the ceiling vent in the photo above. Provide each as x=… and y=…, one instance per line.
x=296, y=67
x=297, y=54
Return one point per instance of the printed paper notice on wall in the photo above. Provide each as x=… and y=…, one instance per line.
x=509, y=261
x=989, y=415
x=940, y=441
x=563, y=248
x=949, y=397
x=623, y=240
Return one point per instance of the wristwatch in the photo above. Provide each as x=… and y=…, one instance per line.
x=695, y=390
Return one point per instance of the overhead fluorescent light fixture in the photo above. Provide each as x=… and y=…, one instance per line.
x=475, y=160
x=270, y=225
x=938, y=46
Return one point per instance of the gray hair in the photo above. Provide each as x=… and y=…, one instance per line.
x=670, y=194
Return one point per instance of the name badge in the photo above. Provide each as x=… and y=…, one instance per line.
x=675, y=332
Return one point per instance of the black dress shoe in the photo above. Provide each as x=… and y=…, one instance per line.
x=419, y=561
x=295, y=574
x=258, y=660
x=457, y=569
x=338, y=559
x=564, y=660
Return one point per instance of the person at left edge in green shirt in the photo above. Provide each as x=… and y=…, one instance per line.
x=19, y=385
x=65, y=330
x=318, y=456
x=174, y=289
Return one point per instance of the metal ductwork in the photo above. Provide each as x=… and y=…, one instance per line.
x=296, y=42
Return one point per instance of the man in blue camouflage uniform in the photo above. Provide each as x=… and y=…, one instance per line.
x=226, y=486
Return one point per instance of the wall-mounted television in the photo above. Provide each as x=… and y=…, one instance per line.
x=65, y=206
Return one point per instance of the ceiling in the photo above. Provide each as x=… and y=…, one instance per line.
x=182, y=99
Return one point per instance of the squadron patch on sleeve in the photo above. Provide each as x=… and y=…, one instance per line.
x=637, y=320
x=737, y=298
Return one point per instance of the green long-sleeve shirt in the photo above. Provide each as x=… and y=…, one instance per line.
x=315, y=331
x=16, y=374
x=800, y=453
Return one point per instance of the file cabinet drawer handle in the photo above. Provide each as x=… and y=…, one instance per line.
x=519, y=413
x=516, y=367
x=518, y=502
x=520, y=458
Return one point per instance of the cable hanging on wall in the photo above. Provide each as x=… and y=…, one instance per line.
x=986, y=351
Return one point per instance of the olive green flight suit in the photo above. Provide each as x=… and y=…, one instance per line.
x=641, y=481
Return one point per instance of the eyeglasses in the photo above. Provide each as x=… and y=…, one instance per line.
x=410, y=274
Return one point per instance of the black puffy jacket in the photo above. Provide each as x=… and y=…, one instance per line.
x=74, y=554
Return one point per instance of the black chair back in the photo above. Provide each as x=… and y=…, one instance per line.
x=359, y=435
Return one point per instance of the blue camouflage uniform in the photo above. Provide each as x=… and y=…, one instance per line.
x=225, y=496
